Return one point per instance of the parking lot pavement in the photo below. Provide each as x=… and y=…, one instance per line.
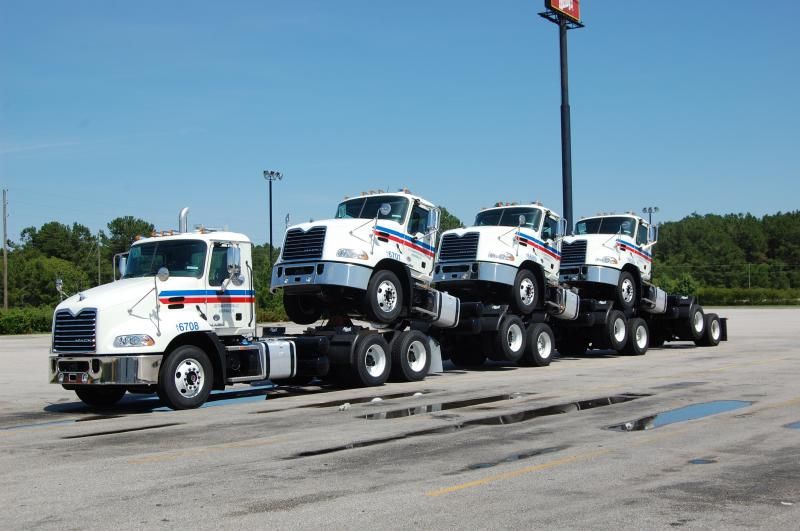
x=682, y=437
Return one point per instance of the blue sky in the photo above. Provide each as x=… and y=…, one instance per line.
x=112, y=108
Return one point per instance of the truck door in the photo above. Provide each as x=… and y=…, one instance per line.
x=552, y=244
x=422, y=250
x=642, y=257
x=227, y=305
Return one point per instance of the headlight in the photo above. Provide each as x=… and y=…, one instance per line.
x=134, y=340
x=352, y=253
x=502, y=256
x=607, y=260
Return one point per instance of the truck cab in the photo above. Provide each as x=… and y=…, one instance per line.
x=510, y=255
x=178, y=291
x=365, y=261
x=610, y=256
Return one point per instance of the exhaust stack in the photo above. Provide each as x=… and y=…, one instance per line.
x=183, y=220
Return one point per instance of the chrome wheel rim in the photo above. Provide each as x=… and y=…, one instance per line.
x=514, y=337
x=627, y=290
x=641, y=337
x=527, y=291
x=716, y=330
x=387, y=296
x=189, y=378
x=619, y=329
x=697, y=322
x=416, y=355
x=544, y=346
x=375, y=360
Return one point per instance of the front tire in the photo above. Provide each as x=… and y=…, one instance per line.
x=626, y=294
x=302, y=309
x=540, y=347
x=411, y=359
x=186, y=378
x=384, y=297
x=525, y=293
x=100, y=397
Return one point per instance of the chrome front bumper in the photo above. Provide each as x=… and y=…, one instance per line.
x=474, y=271
x=288, y=275
x=591, y=273
x=105, y=370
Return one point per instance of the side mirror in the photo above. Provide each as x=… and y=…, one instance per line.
x=234, y=260
x=433, y=220
x=60, y=286
x=163, y=274
x=123, y=265
x=652, y=234
x=385, y=209
x=521, y=220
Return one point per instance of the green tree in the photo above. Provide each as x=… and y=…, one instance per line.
x=32, y=276
x=123, y=231
x=448, y=221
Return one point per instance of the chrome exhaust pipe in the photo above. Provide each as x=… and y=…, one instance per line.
x=183, y=220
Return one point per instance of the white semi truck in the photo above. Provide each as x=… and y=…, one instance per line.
x=182, y=321
x=374, y=259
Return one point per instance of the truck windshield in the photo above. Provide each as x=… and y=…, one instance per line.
x=183, y=258
x=611, y=225
x=369, y=207
x=509, y=217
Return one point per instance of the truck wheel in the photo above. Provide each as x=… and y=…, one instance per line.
x=510, y=339
x=100, y=396
x=626, y=291
x=638, y=337
x=572, y=346
x=384, y=297
x=540, y=341
x=467, y=352
x=713, y=331
x=525, y=292
x=694, y=326
x=616, y=330
x=186, y=378
x=371, y=360
x=410, y=357
x=302, y=309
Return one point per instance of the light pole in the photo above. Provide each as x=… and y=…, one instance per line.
x=650, y=211
x=270, y=176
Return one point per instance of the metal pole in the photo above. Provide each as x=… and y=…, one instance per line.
x=270, y=225
x=5, y=250
x=566, y=141
x=98, y=259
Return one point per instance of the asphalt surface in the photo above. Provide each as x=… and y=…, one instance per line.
x=501, y=447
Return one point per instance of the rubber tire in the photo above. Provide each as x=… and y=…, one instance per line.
x=516, y=301
x=100, y=396
x=710, y=339
x=618, y=294
x=400, y=346
x=374, y=311
x=510, y=324
x=468, y=352
x=167, y=391
x=613, y=342
x=361, y=363
x=633, y=346
x=691, y=332
x=572, y=346
x=532, y=356
x=302, y=309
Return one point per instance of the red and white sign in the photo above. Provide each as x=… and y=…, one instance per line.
x=569, y=8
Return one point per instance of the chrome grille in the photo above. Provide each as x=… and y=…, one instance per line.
x=573, y=254
x=456, y=247
x=75, y=333
x=301, y=245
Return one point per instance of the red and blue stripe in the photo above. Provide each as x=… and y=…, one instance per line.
x=208, y=296
x=406, y=240
x=627, y=246
x=537, y=244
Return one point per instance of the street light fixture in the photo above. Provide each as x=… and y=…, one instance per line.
x=650, y=211
x=270, y=176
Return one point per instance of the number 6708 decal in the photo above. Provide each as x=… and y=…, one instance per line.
x=190, y=326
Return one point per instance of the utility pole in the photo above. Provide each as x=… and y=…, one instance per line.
x=566, y=14
x=98, y=259
x=270, y=176
x=5, y=249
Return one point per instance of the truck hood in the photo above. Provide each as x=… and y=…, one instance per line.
x=123, y=292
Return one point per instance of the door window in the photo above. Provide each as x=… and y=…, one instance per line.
x=218, y=271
